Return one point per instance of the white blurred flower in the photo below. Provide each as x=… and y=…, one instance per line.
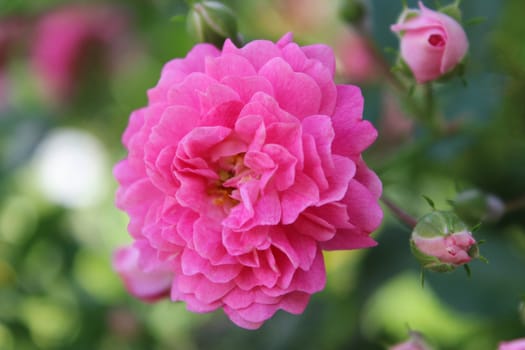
x=70, y=168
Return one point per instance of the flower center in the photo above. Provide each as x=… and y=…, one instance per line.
x=221, y=190
x=436, y=40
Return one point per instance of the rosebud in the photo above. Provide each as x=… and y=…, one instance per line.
x=474, y=206
x=432, y=43
x=416, y=342
x=518, y=344
x=353, y=12
x=148, y=283
x=212, y=22
x=441, y=242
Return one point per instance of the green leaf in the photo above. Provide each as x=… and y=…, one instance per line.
x=475, y=21
x=467, y=270
x=430, y=202
x=482, y=258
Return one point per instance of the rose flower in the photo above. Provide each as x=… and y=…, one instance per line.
x=244, y=166
x=432, y=43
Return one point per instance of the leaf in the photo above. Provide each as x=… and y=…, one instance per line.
x=430, y=202
x=467, y=269
x=178, y=18
x=475, y=21
x=390, y=50
x=482, y=258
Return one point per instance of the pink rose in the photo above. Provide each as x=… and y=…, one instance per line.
x=66, y=40
x=244, y=166
x=432, y=43
x=518, y=344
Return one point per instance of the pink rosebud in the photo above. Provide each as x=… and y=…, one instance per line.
x=243, y=167
x=442, y=242
x=517, y=344
x=432, y=43
x=146, y=282
x=67, y=42
x=416, y=342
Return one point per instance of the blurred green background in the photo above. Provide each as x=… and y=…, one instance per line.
x=58, y=224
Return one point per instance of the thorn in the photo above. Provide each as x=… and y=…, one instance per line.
x=451, y=202
x=430, y=202
x=422, y=278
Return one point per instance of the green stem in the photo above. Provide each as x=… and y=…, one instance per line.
x=402, y=215
x=429, y=109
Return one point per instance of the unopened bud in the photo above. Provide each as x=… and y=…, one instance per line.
x=432, y=44
x=474, y=206
x=353, y=12
x=441, y=242
x=212, y=22
x=416, y=342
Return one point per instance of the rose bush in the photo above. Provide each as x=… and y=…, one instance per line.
x=432, y=43
x=244, y=166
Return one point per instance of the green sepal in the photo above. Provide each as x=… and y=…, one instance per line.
x=452, y=10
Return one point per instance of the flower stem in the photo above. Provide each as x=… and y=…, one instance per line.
x=429, y=109
x=402, y=215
